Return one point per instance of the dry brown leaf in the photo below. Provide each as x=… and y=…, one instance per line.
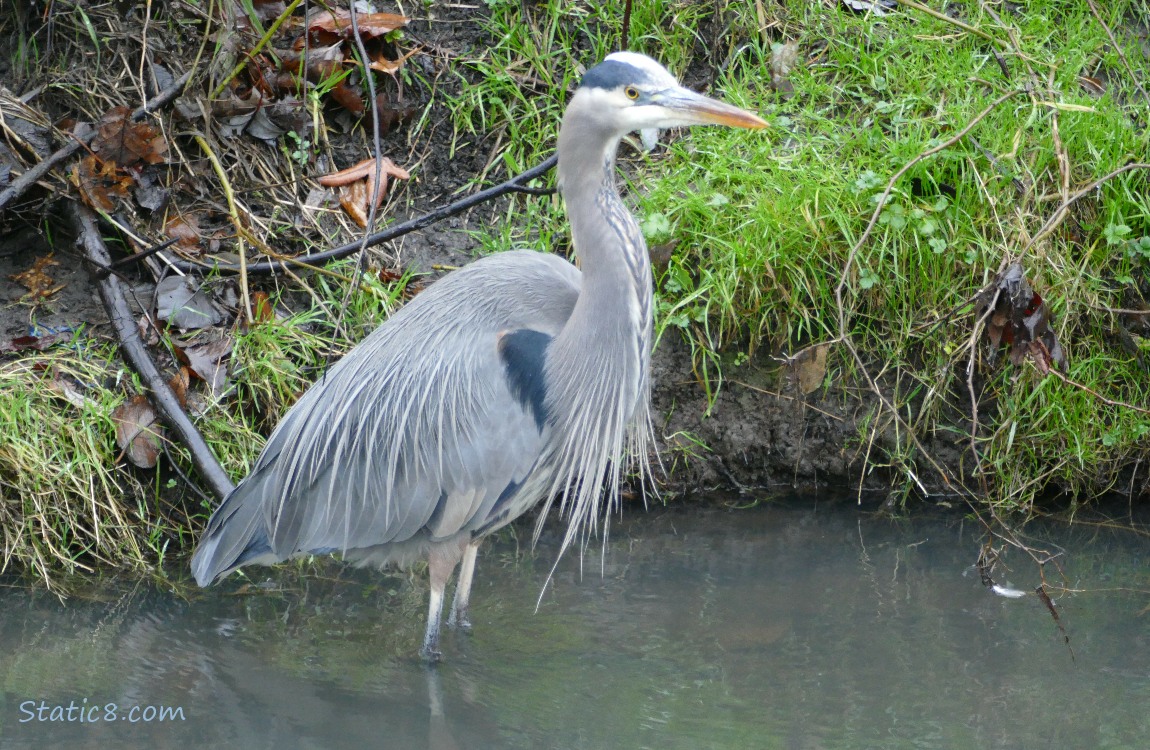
x=127, y=143
x=328, y=28
x=185, y=230
x=266, y=10
x=392, y=113
x=354, y=198
x=138, y=433
x=262, y=308
x=1092, y=86
x=322, y=62
x=356, y=186
x=68, y=391
x=809, y=367
x=36, y=280
x=363, y=169
x=1020, y=318
x=348, y=98
x=100, y=181
x=179, y=385
x=391, y=67
x=206, y=361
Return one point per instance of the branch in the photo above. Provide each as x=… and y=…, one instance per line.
x=1060, y=213
x=514, y=185
x=137, y=355
x=33, y=175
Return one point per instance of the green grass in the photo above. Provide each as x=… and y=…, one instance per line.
x=67, y=502
x=63, y=504
x=765, y=223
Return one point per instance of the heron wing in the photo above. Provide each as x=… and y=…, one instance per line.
x=423, y=430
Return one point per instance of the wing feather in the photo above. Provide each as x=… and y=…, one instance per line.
x=418, y=421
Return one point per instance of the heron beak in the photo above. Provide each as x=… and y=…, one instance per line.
x=696, y=109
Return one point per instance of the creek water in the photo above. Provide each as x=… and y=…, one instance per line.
x=785, y=626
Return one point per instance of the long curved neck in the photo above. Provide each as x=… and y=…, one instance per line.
x=597, y=366
x=614, y=306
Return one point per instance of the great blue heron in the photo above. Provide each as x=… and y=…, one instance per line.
x=510, y=380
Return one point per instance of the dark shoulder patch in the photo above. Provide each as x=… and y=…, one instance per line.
x=611, y=74
x=523, y=352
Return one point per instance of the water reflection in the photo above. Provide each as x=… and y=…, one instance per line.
x=781, y=627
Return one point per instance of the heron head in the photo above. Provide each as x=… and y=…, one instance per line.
x=638, y=93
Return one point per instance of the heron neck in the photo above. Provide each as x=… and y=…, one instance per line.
x=605, y=345
x=606, y=237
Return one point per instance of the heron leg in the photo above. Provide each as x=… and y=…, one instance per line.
x=441, y=562
x=461, y=604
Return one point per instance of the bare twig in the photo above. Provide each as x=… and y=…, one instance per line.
x=514, y=185
x=33, y=175
x=137, y=355
x=953, y=21
x=1060, y=213
x=1083, y=387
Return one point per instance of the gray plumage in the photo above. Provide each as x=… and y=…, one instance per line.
x=514, y=379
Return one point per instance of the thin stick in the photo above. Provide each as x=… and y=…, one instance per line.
x=1118, y=49
x=881, y=202
x=137, y=355
x=513, y=185
x=953, y=21
x=34, y=174
x=1060, y=213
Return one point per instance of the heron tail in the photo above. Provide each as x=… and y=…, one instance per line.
x=235, y=536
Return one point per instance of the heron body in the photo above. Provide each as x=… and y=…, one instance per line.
x=516, y=378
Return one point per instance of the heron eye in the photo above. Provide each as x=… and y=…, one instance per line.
x=631, y=92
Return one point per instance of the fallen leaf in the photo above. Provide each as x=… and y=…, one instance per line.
x=321, y=65
x=127, y=143
x=206, y=361
x=809, y=367
x=1019, y=317
x=268, y=10
x=363, y=169
x=100, y=181
x=392, y=114
x=385, y=65
x=354, y=198
x=1092, y=86
x=138, y=433
x=262, y=308
x=35, y=342
x=348, y=98
x=784, y=57
x=356, y=186
x=36, y=280
x=183, y=304
x=185, y=230
x=328, y=27
x=67, y=390
x=877, y=7
x=179, y=385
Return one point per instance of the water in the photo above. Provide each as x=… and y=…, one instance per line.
x=779, y=627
